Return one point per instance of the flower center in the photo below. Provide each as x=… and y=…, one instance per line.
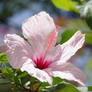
x=41, y=64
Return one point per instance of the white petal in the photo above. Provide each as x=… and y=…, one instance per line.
x=41, y=75
x=41, y=24
x=83, y=89
x=70, y=47
x=54, y=54
x=18, y=51
x=69, y=72
x=37, y=30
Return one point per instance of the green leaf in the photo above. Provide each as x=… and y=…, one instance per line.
x=7, y=70
x=43, y=85
x=17, y=86
x=4, y=81
x=67, y=5
x=66, y=35
x=77, y=24
x=62, y=87
x=3, y=58
x=5, y=85
x=22, y=74
x=88, y=38
x=8, y=73
x=89, y=88
x=79, y=2
x=57, y=80
x=86, y=12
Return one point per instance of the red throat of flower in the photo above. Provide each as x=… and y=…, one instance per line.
x=40, y=62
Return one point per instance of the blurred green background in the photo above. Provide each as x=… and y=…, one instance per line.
x=71, y=15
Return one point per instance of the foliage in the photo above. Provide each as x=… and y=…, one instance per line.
x=3, y=58
x=65, y=5
x=86, y=12
x=57, y=80
x=88, y=38
x=62, y=87
x=16, y=81
x=66, y=35
x=89, y=88
x=83, y=7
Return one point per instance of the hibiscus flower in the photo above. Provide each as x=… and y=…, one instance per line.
x=39, y=56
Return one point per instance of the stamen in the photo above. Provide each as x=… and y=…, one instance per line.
x=51, y=40
x=41, y=64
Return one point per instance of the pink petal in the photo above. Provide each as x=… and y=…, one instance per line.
x=70, y=47
x=40, y=30
x=41, y=75
x=69, y=72
x=41, y=24
x=18, y=50
x=58, y=27
x=54, y=54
